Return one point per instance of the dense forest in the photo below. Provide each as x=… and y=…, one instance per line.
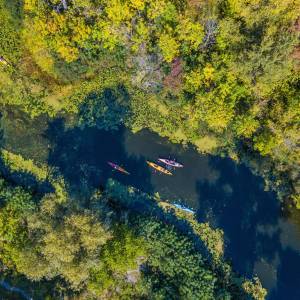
x=222, y=75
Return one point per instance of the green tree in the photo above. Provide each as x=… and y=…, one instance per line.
x=119, y=267
x=175, y=269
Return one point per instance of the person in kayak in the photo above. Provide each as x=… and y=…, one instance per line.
x=118, y=168
x=171, y=163
x=158, y=168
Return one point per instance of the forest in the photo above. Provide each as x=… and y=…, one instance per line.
x=221, y=75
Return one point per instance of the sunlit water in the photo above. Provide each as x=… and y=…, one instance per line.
x=261, y=239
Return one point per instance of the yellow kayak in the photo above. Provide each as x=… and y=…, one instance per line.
x=158, y=168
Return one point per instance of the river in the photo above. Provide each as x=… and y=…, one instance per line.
x=261, y=238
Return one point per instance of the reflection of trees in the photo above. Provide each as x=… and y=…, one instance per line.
x=250, y=219
x=239, y=213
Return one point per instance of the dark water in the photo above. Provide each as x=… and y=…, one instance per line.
x=260, y=238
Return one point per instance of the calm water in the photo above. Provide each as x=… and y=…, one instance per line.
x=260, y=238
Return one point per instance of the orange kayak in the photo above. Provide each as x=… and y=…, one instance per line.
x=158, y=168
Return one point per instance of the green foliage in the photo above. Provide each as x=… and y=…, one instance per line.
x=65, y=244
x=265, y=143
x=16, y=163
x=120, y=264
x=296, y=199
x=44, y=244
x=213, y=239
x=107, y=109
x=168, y=47
x=190, y=34
x=206, y=144
x=175, y=269
x=245, y=126
x=255, y=289
x=10, y=44
x=16, y=205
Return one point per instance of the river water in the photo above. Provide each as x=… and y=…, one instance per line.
x=261, y=238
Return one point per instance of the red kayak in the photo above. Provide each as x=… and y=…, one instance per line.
x=118, y=168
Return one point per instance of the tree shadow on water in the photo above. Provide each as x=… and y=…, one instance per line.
x=82, y=155
x=248, y=215
x=250, y=218
x=288, y=276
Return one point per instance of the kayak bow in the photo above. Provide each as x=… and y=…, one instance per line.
x=118, y=168
x=171, y=163
x=184, y=208
x=158, y=168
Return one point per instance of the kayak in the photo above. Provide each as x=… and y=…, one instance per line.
x=184, y=208
x=158, y=168
x=170, y=162
x=118, y=168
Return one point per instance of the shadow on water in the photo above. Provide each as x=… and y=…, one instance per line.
x=253, y=228
x=82, y=155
